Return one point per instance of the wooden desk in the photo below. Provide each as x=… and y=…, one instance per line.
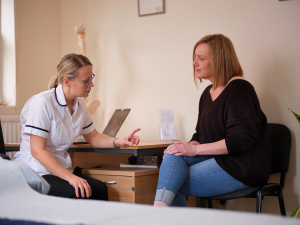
x=144, y=148
x=85, y=156
x=12, y=147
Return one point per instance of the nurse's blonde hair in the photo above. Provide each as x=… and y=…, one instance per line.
x=68, y=67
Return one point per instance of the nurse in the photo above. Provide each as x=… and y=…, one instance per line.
x=51, y=120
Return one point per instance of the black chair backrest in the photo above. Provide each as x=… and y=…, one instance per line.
x=280, y=139
x=2, y=146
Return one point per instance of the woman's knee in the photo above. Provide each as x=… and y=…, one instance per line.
x=171, y=158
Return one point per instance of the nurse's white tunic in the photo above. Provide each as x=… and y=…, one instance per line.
x=47, y=115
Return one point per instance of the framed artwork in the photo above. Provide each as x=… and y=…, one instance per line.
x=151, y=7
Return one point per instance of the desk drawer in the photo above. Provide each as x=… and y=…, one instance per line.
x=132, y=185
x=121, y=191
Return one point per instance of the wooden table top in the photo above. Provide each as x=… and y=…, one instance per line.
x=13, y=145
x=142, y=145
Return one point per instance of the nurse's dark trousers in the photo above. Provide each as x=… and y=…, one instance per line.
x=62, y=188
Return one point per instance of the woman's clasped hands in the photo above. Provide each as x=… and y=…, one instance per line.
x=182, y=148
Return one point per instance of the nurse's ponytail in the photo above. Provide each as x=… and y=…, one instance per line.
x=53, y=83
x=68, y=67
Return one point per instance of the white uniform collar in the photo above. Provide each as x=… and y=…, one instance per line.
x=59, y=95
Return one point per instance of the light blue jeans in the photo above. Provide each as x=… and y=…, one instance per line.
x=200, y=176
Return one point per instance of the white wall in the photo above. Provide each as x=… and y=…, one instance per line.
x=8, y=54
x=38, y=48
x=144, y=63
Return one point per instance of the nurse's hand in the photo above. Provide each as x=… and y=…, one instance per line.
x=80, y=185
x=129, y=140
x=182, y=148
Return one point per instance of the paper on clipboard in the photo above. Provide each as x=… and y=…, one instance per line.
x=167, y=124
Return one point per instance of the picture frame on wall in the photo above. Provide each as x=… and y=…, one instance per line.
x=151, y=7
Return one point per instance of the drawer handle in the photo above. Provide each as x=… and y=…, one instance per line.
x=110, y=182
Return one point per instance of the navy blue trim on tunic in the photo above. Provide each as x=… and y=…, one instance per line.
x=88, y=126
x=56, y=98
x=37, y=128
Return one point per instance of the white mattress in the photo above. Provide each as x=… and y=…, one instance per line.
x=19, y=202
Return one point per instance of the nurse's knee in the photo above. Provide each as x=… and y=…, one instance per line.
x=100, y=191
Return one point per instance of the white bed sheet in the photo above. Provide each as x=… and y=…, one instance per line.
x=19, y=202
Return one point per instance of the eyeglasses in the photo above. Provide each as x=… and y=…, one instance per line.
x=87, y=83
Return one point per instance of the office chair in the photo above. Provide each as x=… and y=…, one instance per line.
x=2, y=146
x=280, y=139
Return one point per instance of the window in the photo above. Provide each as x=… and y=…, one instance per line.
x=7, y=54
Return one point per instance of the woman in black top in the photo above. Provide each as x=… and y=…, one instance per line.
x=230, y=150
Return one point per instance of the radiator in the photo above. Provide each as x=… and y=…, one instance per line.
x=11, y=129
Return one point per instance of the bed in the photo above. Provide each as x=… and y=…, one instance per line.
x=21, y=203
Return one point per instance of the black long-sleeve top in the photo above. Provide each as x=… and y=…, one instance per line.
x=235, y=115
